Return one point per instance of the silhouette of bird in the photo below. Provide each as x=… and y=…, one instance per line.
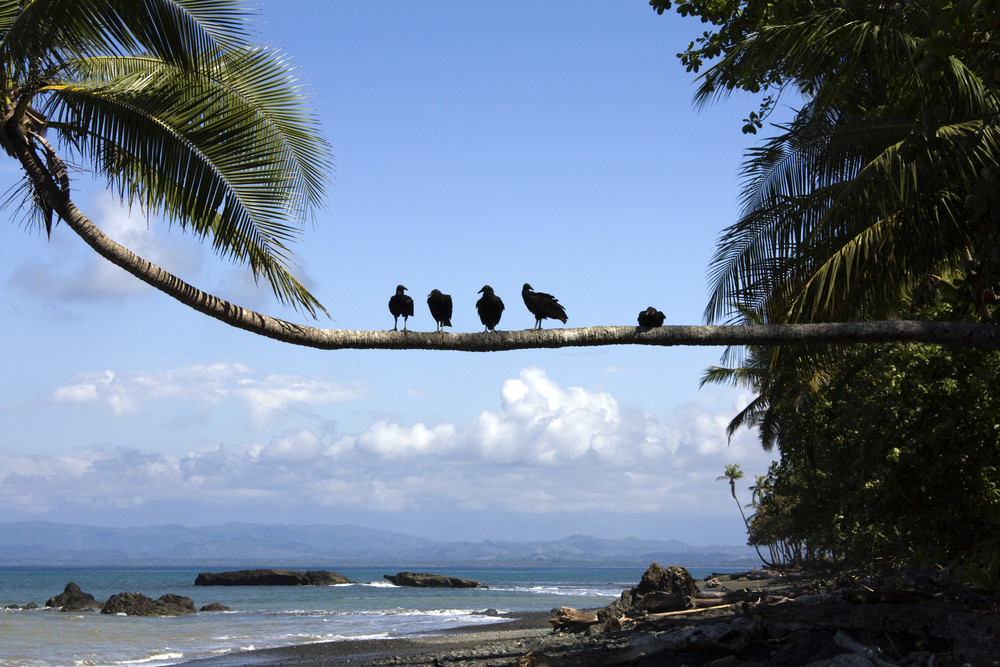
x=542, y=305
x=490, y=307
x=400, y=305
x=650, y=318
x=440, y=305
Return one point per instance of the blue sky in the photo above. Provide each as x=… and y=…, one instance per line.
x=476, y=143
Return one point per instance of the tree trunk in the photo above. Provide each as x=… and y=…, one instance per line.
x=949, y=333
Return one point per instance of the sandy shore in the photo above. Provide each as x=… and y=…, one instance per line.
x=500, y=642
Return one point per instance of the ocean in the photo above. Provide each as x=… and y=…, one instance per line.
x=269, y=616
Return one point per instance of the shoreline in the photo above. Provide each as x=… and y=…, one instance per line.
x=790, y=619
x=507, y=639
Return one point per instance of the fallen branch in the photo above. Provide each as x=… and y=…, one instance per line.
x=843, y=640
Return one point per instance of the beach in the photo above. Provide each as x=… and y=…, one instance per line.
x=811, y=619
x=500, y=643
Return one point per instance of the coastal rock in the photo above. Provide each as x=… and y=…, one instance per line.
x=215, y=606
x=326, y=578
x=660, y=590
x=73, y=599
x=137, y=604
x=270, y=577
x=426, y=580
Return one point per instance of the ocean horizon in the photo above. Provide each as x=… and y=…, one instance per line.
x=272, y=616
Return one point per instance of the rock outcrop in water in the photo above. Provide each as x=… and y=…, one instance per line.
x=137, y=604
x=425, y=580
x=73, y=599
x=269, y=577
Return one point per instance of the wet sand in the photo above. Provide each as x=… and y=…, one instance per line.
x=503, y=641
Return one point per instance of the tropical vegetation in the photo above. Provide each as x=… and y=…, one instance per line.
x=177, y=111
x=879, y=199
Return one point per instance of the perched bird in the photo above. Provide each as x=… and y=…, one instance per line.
x=650, y=318
x=440, y=305
x=542, y=306
x=400, y=305
x=490, y=307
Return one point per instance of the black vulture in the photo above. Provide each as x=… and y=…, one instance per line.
x=440, y=305
x=400, y=305
x=542, y=306
x=490, y=307
x=650, y=318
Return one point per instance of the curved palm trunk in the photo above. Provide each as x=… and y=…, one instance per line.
x=955, y=333
x=732, y=488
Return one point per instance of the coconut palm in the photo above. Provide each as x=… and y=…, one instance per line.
x=732, y=473
x=178, y=112
x=887, y=175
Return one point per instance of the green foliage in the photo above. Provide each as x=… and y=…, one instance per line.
x=897, y=454
x=173, y=105
x=888, y=172
x=879, y=199
x=985, y=576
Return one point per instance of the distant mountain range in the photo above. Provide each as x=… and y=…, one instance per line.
x=259, y=545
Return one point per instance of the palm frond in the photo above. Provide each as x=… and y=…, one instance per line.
x=230, y=152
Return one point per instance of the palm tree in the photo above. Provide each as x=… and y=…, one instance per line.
x=171, y=105
x=887, y=175
x=734, y=472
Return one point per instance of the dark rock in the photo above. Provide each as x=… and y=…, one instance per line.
x=326, y=578
x=73, y=599
x=215, y=606
x=425, y=580
x=660, y=590
x=268, y=577
x=673, y=579
x=137, y=604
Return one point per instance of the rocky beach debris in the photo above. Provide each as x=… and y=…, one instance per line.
x=770, y=619
x=427, y=580
x=752, y=619
x=271, y=577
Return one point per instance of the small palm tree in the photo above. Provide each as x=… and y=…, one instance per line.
x=734, y=472
x=170, y=104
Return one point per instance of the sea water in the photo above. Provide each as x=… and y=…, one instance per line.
x=269, y=616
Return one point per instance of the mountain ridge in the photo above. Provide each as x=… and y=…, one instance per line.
x=46, y=543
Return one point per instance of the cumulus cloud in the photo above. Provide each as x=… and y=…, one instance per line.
x=127, y=393
x=543, y=449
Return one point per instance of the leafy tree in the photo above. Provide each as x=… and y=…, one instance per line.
x=888, y=173
x=177, y=111
x=898, y=456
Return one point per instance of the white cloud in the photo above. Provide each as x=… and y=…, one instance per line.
x=292, y=392
x=543, y=449
x=129, y=392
